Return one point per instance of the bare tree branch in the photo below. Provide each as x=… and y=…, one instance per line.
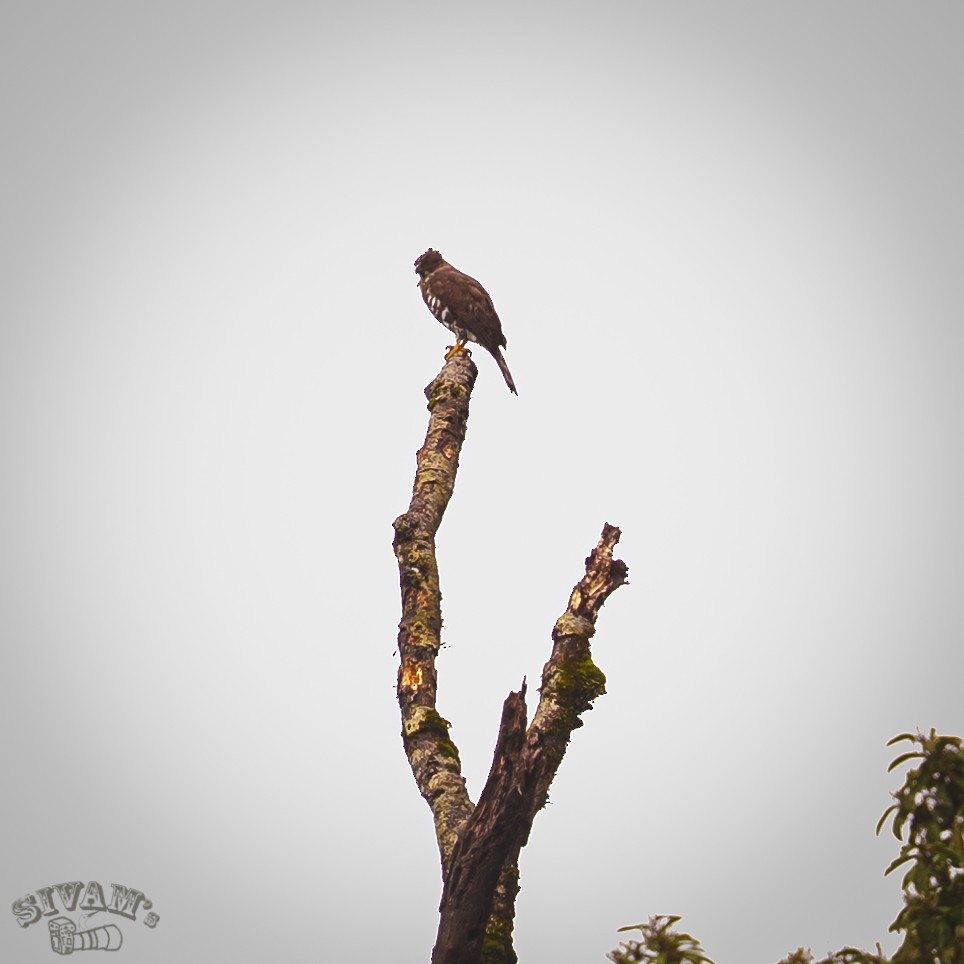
x=432, y=755
x=523, y=767
x=480, y=845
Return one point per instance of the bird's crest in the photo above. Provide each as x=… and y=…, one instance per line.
x=427, y=263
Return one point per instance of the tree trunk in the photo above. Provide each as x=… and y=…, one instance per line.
x=480, y=844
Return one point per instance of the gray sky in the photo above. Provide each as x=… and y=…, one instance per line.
x=725, y=243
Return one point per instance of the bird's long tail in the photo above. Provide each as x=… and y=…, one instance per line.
x=504, y=368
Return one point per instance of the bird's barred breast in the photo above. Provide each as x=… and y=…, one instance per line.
x=441, y=313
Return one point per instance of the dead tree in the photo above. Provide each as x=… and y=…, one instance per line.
x=480, y=843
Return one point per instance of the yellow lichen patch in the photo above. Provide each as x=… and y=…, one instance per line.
x=569, y=625
x=423, y=719
x=411, y=677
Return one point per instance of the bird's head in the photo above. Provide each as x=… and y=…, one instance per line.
x=426, y=263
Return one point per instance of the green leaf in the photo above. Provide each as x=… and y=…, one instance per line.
x=903, y=758
x=896, y=863
x=884, y=816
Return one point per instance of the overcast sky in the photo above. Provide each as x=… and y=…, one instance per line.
x=725, y=243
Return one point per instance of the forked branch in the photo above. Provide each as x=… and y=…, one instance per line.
x=480, y=845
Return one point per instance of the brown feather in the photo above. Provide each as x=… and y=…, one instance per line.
x=460, y=303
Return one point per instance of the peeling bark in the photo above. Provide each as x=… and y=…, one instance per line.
x=480, y=845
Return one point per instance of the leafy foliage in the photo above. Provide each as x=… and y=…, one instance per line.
x=846, y=955
x=929, y=808
x=660, y=945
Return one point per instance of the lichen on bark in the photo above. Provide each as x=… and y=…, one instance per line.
x=480, y=844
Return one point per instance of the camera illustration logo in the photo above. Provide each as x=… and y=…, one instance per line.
x=67, y=936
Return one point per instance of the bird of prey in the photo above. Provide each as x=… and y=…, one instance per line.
x=463, y=306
